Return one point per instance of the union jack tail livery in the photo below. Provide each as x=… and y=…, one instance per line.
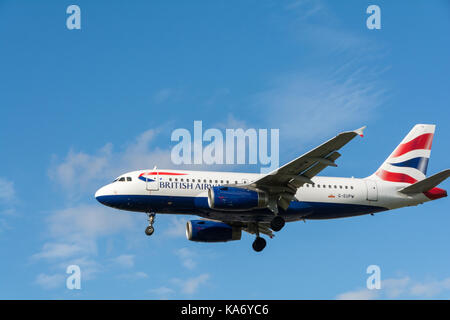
x=409, y=161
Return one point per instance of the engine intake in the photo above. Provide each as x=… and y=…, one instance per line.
x=211, y=231
x=236, y=199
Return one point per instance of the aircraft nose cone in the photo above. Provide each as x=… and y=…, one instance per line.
x=101, y=195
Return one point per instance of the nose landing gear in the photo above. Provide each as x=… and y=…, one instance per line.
x=151, y=219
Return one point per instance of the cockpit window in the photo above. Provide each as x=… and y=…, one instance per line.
x=122, y=179
x=128, y=178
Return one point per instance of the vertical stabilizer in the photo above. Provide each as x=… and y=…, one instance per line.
x=409, y=161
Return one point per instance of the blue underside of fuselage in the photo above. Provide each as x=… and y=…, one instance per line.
x=199, y=206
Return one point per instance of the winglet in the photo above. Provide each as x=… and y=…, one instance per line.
x=360, y=131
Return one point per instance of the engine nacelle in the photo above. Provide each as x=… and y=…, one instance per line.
x=236, y=199
x=211, y=231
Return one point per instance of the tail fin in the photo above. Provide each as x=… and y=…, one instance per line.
x=409, y=161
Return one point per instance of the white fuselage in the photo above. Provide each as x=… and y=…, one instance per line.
x=186, y=192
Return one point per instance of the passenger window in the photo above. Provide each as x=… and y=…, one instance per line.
x=346, y=187
x=335, y=186
x=221, y=181
x=340, y=187
x=351, y=187
x=329, y=186
x=216, y=181
x=170, y=179
x=318, y=186
x=228, y=181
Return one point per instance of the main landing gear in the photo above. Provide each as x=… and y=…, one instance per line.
x=260, y=243
x=277, y=223
x=151, y=219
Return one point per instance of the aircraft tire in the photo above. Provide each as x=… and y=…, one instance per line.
x=259, y=244
x=277, y=223
x=149, y=230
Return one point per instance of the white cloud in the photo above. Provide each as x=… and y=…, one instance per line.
x=163, y=95
x=89, y=268
x=88, y=222
x=430, y=289
x=187, y=257
x=162, y=292
x=7, y=192
x=305, y=106
x=317, y=25
x=78, y=169
x=191, y=285
x=125, y=260
x=400, y=288
x=395, y=287
x=49, y=282
x=74, y=232
x=80, y=172
x=362, y=294
x=176, y=227
x=58, y=250
x=341, y=92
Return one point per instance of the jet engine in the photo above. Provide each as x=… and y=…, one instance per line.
x=236, y=199
x=211, y=231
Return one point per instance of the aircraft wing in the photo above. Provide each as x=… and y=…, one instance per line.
x=282, y=183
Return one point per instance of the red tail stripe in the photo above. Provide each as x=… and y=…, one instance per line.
x=395, y=177
x=423, y=141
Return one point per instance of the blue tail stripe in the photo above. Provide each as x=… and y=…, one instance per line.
x=419, y=163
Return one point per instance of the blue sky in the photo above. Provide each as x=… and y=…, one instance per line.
x=80, y=107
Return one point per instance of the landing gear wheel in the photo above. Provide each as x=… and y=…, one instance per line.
x=277, y=223
x=151, y=219
x=149, y=230
x=259, y=244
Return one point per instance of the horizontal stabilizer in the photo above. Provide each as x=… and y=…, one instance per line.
x=426, y=184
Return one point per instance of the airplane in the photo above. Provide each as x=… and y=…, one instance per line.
x=231, y=202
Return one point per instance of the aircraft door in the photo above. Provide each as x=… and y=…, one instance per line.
x=152, y=181
x=372, y=190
